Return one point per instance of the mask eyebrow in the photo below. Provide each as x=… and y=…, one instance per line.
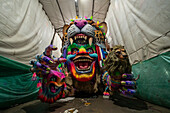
x=118, y=50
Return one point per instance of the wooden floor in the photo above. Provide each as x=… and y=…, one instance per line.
x=98, y=104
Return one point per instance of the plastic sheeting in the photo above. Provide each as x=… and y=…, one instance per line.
x=153, y=84
x=16, y=86
x=142, y=26
x=25, y=30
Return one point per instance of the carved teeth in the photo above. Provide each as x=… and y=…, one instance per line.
x=83, y=60
x=88, y=67
x=85, y=37
x=82, y=69
x=90, y=40
x=78, y=37
x=71, y=41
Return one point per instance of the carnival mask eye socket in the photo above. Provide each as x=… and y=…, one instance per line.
x=97, y=35
x=74, y=50
x=75, y=23
x=90, y=50
x=53, y=79
x=100, y=34
x=85, y=23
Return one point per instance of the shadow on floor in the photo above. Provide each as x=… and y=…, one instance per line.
x=42, y=107
x=132, y=103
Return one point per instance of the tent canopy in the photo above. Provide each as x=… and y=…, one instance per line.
x=27, y=27
x=61, y=11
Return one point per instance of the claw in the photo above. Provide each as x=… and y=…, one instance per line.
x=127, y=76
x=38, y=65
x=129, y=91
x=137, y=77
x=44, y=58
x=128, y=83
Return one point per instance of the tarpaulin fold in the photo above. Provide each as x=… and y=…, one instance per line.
x=15, y=83
x=153, y=84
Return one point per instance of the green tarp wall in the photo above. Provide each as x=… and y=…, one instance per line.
x=15, y=83
x=153, y=85
x=154, y=82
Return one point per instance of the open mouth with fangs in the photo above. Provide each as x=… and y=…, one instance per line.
x=81, y=39
x=83, y=64
x=54, y=84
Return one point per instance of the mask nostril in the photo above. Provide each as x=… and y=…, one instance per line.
x=85, y=23
x=75, y=23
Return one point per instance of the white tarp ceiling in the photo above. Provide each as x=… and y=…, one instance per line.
x=25, y=30
x=142, y=26
x=61, y=11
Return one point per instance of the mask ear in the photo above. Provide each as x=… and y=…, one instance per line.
x=65, y=28
x=104, y=28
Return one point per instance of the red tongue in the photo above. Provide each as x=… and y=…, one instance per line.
x=80, y=34
x=83, y=65
x=53, y=89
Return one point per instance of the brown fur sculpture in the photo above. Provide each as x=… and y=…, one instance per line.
x=117, y=61
x=118, y=68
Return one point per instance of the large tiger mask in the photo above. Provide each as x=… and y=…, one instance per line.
x=82, y=57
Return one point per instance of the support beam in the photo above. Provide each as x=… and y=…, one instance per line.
x=60, y=29
x=77, y=8
x=60, y=11
x=93, y=8
x=107, y=10
x=52, y=40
